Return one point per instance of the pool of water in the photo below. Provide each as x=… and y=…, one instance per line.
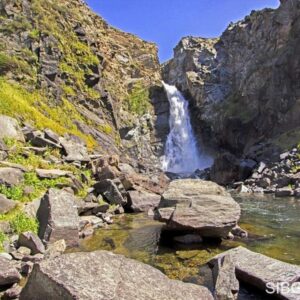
x=273, y=225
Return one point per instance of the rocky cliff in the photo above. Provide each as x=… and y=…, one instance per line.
x=63, y=67
x=244, y=86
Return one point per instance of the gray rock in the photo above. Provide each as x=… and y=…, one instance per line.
x=225, y=282
x=117, y=277
x=284, y=192
x=5, y=255
x=51, y=174
x=6, y=205
x=8, y=272
x=200, y=206
x=9, y=128
x=257, y=270
x=264, y=182
x=13, y=292
x=142, y=201
x=24, y=250
x=109, y=189
x=239, y=232
x=261, y=167
x=56, y=249
x=38, y=139
x=11, y=176
x=52, y=136
x=75, y=149
x=58, y=217
x=31, y=241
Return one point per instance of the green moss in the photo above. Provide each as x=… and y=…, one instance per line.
x=34, y=34
x=15, y=192
x=138, y=101
x=3, y=237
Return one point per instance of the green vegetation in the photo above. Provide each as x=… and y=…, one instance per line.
x=15, y=101
x=21, y=223
x=3, y=237
x=138, y=101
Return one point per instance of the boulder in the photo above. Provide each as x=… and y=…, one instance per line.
x=263, y=272
x=73, y=276
x=188, y=239
x=31, y=241
x=56, y=249
x=142, y=201
x=74, y=148
x=11, y=176
x=52, y=174
x=38, y=139
x=6, y=205
x=13, y=292
x=284, y=192
x=58, y=217
x=198, y=206
x=227, y=168
x=9, y=128
x=226, y=286
x=51, y=136
x=8, y=272
x=109, y=189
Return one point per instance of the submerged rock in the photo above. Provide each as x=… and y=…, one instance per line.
x=107, y=276
x=200, y=206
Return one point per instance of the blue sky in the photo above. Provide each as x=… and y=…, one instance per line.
x=165, y=22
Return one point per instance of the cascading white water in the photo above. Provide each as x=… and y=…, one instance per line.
x=182, y=155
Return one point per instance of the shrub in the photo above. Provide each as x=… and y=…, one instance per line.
x=138, y=101
x=21, y=223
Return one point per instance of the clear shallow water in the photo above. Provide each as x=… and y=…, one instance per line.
x=273, y=226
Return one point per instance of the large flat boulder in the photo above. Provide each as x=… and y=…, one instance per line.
x=9, y=128
x=200, y=206
x=58, y=217
x=103, y=275
x=263, y=272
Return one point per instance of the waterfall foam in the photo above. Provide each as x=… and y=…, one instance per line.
x=181, y=155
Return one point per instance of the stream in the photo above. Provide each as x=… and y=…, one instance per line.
x=273, y=225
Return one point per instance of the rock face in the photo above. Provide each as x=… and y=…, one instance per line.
x=58, y=217
x=200, y=206
x=73, y=276
x=9, y=128
x=254, y=65
x=258, y=270
x=116, y=68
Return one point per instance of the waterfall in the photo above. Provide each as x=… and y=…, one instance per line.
x=181, y=155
